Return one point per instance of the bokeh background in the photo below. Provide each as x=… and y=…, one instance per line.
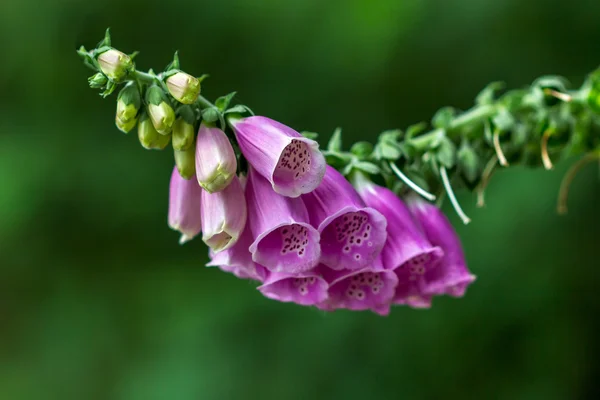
x=98, y=300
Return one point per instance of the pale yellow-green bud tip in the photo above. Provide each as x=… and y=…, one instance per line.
x=162, y=117
x=115, y=64
x=184, y=87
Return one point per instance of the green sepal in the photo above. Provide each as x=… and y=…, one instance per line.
x=98, y=80
x=110, y=87
x=130, y=94
x=187, y=113
x=106, y=41
x=335, y=143
x=223, y=102
x=210, y=114
x=239, y=109
x=173, y=65
x=156, y=95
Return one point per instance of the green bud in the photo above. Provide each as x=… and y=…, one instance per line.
x=183, y=87
x=125, y=126
x=160, y=111
x=114, y=64
x=97, y=81
x=149, y=136
x=183, y=129
x=185, y=162
x=128, y=103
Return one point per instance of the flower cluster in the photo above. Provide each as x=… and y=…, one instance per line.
x=311, y=226
x=297, y=226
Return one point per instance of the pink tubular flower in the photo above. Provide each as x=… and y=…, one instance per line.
x=184, y=206
x=223, y=216
x=292, y=163
x=284, y=241
x=215, y=160
x=407, y=251
x=238, y=260
x=306, y=288
x=452, y=276
x=352, y=235
x=370, y=288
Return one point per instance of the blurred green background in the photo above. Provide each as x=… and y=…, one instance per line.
x=97, y=299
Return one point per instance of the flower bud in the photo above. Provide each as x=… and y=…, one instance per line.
x=128, y=105
x=97, y=80
x=125, y=126
x=183, y=87
x=183, y=129
x=115, y=64
x=215, y=159
x=149, y=137
x=184, y=160
x=128, y=102
x=160, y=111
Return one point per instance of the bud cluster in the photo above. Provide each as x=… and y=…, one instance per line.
x=166, y=107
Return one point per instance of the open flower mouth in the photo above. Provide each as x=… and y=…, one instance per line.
x=305, y=290
x=294, y=162
x=288, y=248
x=219, y=241
x=353, y=239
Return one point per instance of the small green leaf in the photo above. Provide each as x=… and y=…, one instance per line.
x=310, y=135
x=415, y=129
x=337, y=160
x=469, y=162
x=389, y=151
x=446, y=153
x=487, y=95
x=362, y=149
x=210, y=114
x=504, y=121
x=391, y=135
x=223, y=102
x=335, y=143
x=443, y=117
x=367, y=167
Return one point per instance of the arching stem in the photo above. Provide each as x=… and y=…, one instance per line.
x=450, y=192
x=485, y=180
x=565, y=185
x=425, y=194
x=544, y=148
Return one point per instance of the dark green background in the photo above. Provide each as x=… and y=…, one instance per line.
x=97, y=299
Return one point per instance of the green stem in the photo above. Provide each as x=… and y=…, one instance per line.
x=203, y=102
x=473, y=117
